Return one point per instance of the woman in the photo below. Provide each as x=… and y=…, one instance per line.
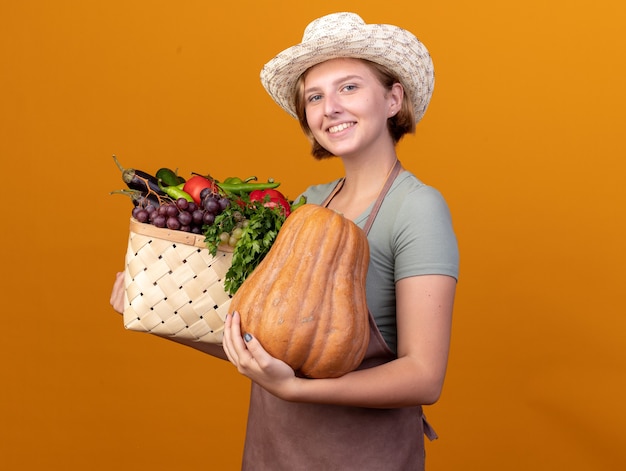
x=357, y=89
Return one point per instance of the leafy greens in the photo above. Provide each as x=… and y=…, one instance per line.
x=259, y=233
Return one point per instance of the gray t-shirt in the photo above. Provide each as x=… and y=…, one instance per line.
x=412, y=235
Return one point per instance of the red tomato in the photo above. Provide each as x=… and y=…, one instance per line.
x=271, y=199
x=196, y=184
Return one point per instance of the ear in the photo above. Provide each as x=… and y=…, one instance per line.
x=395, y=97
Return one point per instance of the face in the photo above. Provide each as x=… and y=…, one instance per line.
x=347, y=107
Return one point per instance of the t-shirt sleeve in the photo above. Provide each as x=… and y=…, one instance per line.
x=425, y=242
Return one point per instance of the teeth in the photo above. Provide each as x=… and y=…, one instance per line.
x=339, y=127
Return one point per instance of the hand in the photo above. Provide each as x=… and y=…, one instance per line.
x=253, y=361
x=117, y=295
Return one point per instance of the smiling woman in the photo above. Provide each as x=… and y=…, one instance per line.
x=370, y=418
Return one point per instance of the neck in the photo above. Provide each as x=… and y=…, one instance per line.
x=361, y=186
x=364, y=176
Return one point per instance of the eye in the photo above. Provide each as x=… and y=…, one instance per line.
x=314, y=98
x=349, y=87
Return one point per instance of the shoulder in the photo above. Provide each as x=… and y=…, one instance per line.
x=423, y=237
x=409, y=193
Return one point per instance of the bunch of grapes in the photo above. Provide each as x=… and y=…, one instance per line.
x=231, y=233
x=183, y=215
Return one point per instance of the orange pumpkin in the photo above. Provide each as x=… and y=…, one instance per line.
x=305, y=302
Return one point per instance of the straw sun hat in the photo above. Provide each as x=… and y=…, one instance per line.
x=347, y=35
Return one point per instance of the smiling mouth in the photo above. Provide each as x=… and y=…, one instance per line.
x=339, y=127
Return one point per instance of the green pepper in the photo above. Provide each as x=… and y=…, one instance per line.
x=238, y=181
x=241, y=188
x=175, y=192
x=296, y=204
x=169, y=177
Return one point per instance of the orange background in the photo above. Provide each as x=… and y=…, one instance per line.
x=524, y=136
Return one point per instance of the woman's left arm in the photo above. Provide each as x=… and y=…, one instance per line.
x=424, y=318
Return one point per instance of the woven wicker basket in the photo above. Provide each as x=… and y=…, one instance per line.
x=174, y=286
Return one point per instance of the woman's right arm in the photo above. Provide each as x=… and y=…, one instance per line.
x=117, y=301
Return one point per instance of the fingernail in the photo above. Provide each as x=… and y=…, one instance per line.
x=247, y=337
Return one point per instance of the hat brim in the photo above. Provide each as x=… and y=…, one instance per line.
x=387, y=45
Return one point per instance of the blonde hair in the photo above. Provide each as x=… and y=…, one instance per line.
x=398, y=125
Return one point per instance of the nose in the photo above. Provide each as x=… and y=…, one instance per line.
x=332, y=104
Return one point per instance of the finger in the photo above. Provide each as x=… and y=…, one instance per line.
x=117, y=293
x=256, y=350
x=236, y=326
x=238, y=345
x=235, y=335
x=233, y=343
x=226, y=343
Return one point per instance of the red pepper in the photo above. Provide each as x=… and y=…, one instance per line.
x=271, y=199
x=196, y=184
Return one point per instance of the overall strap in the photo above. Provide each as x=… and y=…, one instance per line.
x=395, y=171
x=338, y=187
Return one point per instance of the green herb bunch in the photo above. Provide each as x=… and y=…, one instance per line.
x=258, y=227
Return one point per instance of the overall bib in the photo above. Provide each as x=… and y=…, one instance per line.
x=288, y=436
